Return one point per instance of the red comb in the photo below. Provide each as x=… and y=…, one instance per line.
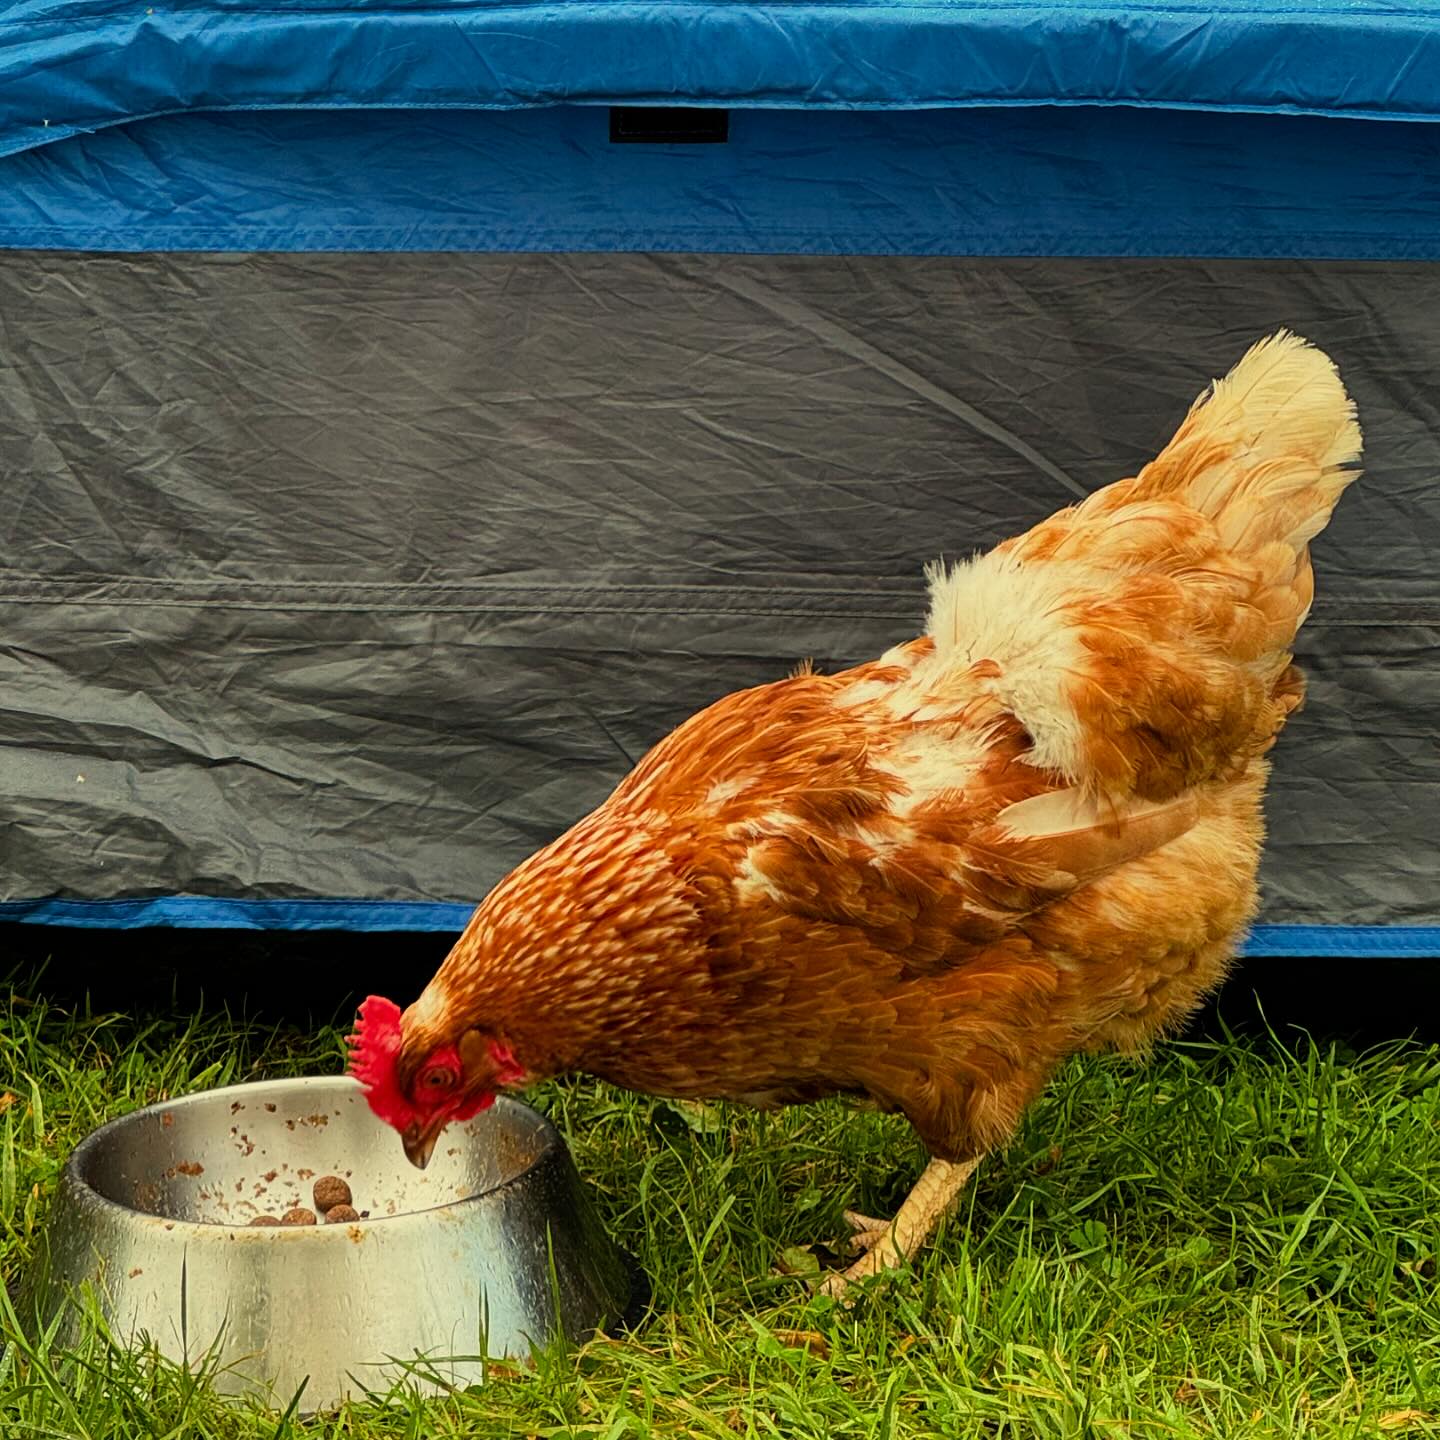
x=373, y=1048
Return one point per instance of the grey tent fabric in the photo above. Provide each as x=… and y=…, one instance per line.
x=358, y=577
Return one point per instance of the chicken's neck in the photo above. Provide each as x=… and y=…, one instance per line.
x=574, y=949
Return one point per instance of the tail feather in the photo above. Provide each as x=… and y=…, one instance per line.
x=1143, y=637
x=1266, y=452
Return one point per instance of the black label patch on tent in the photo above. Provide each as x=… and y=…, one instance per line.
x=668, y=125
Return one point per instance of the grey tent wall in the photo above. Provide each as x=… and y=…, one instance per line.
x=358, y=577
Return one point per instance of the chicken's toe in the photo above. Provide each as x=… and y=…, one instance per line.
x=865, y=1232
x=881, y=1255
x=887, y=1245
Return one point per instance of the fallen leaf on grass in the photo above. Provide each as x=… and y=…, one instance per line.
x=1401, y=1419
x=797, y=1260
x=811, y=1340
x=696, y=1115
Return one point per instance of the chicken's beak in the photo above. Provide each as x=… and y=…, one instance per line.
x=419, y=1140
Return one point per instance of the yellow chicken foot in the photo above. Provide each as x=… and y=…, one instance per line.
x=935, y=1194
x=865, y=1231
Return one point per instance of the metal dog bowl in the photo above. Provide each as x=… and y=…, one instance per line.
x=490, y=1250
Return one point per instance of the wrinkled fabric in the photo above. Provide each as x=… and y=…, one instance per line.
x=71, y=66
x=1046, y=181
x=348, y=580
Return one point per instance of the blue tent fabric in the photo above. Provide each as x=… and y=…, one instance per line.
x=315, y=312
x=1038, y=181
x=1086, y=128
x=201, y=912
x=68, y=67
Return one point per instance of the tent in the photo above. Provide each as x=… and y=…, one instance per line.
x=409, y=413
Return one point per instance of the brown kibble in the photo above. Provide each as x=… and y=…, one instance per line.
x=330, y=1191
x=341, y=1215
x=264, y=1220
x=298, y=1216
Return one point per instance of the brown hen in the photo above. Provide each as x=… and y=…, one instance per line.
x=927, y=880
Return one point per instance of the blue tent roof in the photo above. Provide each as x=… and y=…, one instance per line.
x=476, y=136
x=81, y=65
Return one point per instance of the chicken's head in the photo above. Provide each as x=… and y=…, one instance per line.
x=420, y=1090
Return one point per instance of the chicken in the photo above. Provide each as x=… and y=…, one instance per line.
x=927, y=880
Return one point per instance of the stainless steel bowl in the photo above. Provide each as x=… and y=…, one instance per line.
x=491, y=1249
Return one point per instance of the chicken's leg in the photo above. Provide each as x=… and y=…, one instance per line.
x=934, y=1196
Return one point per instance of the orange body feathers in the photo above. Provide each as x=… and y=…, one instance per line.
x=1033, y=829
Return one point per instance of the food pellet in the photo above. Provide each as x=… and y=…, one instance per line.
x=298, y=1216
x=264, y=1220
x=341, y=1215
x=330, y=1191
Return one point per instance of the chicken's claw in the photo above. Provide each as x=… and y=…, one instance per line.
x=865, y=1232
x=887, y=1244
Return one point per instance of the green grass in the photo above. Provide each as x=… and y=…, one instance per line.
x=1236, y=1240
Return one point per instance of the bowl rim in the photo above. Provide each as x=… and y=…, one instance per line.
x=552, y=1149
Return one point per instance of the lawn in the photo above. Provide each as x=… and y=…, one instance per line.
x=1238, y=1239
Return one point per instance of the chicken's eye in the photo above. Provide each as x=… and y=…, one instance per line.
x=438, y=1079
